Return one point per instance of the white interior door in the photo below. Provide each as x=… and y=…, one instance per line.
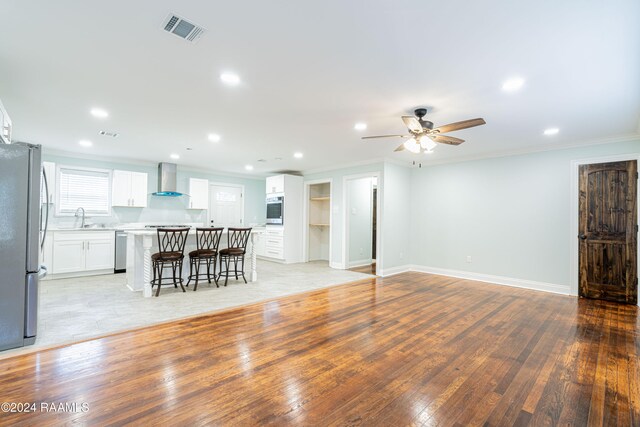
x=226, y=206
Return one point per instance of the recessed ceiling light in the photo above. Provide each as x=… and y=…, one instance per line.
x=360, y=126
x=99, y=113
x=214, y=137
x=85, y=143
x=174, y=156
x=513, y=84
x=298, y=155
x=249, y=167
x=230, y=79
x=551, y=131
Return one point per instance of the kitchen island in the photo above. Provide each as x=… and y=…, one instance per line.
x=141, y=244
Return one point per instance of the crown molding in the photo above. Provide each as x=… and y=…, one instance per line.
x=136, y=162
x=344, y=166
x=538, y=149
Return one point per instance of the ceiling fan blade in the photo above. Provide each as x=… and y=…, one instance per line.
x=386, y=136
x=445, y=139
x=459, y=125
x=400, y=147
x=412, y=123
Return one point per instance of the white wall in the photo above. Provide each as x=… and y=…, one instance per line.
x=360, y=221
x=510, y=214
x=395, y=224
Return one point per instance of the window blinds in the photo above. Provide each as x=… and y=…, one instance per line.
x=83, y=188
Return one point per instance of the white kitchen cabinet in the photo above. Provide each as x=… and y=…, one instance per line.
x=198, y=193
x=50, y=171
x=275, y=184
x=78, y=251
x=139, y=190
x=283, y=243
x=99, y=254
x=121, y=188
x=129, y=189
x=68, y=256
x=261, y=247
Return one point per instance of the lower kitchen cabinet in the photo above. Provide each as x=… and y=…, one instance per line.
x=99, y=254
x=77, y=251
x=68, y=256
x=261, y=246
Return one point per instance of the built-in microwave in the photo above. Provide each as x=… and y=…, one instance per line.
x=275, y=210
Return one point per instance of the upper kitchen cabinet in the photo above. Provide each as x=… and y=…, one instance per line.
x=198, y=193
x=129, y=189
x=275, y=184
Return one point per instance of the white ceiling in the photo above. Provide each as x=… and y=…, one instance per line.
x=310, y=70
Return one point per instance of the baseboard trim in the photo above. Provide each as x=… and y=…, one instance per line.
x=79, y=274
x=497, y=280
x=337, y=265
x=360, y=263
x=395, y=270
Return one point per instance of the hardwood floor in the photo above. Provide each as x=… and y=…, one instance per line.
x=411, y=349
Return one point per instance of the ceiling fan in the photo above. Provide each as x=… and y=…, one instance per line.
x=423, y=135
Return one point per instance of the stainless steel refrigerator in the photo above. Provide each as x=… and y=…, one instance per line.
x=21, y=238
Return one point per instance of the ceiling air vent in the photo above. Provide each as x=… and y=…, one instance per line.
x=182, y=28
x=287, y=172
x=109, y=133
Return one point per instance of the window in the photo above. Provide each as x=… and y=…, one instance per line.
x=223, y=196
x=83, y=188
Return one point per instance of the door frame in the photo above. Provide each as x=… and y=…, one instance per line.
x=345, y=216
x=305, y=216
x=575, y=211
x=226, y=184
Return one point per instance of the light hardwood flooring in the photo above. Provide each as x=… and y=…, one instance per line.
x=411, y=349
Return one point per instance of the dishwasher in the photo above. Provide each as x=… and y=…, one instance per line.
x=121, y=252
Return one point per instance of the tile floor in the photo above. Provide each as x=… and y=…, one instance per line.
x=80, y=308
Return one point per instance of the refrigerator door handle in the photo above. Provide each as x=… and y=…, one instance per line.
x=42, y=273
x=31, y=305
x=46, y=218
x=33, y=220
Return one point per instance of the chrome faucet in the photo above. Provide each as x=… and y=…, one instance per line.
x=83, y=215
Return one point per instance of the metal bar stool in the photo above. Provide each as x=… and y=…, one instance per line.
x=171, y=242
x=235, y=251
x=207, y=241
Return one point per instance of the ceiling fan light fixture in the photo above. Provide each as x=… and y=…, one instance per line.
x=412, y=145
x=427, y=143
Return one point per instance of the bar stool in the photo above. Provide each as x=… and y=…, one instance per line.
x=207, y=241
x=237, y=239
x=171, y=242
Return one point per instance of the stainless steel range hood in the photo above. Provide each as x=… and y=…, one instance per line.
x=167, y=180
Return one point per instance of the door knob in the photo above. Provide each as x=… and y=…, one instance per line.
x=582, y=236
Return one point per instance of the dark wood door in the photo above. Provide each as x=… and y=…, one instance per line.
x=374, y=223
x=608, y=231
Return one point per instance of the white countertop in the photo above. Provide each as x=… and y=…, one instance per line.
x=153, y=232
x=84, y=229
